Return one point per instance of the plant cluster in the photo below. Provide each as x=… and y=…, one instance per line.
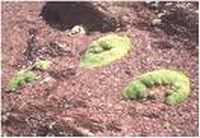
x=105, y=50
x=26, y=76
x=179, y=85
x=20, y=79
x=42, y=64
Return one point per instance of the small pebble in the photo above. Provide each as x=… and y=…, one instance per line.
x=89, y=94
x=160, y=15
x=156, y=21
x=109, y=105
x=78, y=29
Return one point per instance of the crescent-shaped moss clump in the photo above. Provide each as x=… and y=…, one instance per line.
x=105, y=50
x=178, y=82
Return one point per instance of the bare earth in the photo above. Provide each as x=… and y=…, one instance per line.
x=83, y=102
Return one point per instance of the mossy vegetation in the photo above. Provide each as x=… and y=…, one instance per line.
x=21, y=78
x=42, y=64
x=105, y=50
x=27, y=76
x=178, y=82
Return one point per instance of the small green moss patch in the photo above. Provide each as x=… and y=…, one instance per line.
x=42, y=64
x=21, y=78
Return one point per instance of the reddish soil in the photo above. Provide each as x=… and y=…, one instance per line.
x=83, y=102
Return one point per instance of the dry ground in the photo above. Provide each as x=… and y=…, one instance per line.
x=83, y=102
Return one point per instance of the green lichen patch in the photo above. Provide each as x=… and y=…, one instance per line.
x=42, y=64
x=178, y=82
x=21, y=78
x=105, y=50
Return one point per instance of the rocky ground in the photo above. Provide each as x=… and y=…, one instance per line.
x=82, y=102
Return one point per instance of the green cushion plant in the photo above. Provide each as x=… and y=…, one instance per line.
x=21, y=78
x=105, y=50
x=42, y=64
x=178, y=82
x=27, y=76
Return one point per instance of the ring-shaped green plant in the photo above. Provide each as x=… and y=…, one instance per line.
x=178, y=82
x=105, y=50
